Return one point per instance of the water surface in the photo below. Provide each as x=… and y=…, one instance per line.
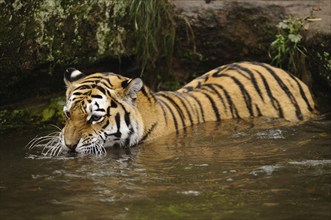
x=211, y=171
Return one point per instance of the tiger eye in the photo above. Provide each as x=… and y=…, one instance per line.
x=95, y=118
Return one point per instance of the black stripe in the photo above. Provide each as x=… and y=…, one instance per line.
x=259, y=114
x=106, y=125
x=118, y=123
x=212, y=103
x=97, y=96
x=274, y=101
x=171, y=112
x=76, y=93
x=252, y=78
x=148, y=94
x=143, y=90
x=194, y=109
x=101, y=89
x=108, y=93
x=127, y=141
x=232, y=106
x=106, y=84
x=127, y=118
x=108, y=111
x=302, y=93
x=219, y=71
x=83, y=87
x=234, y=68
x=109, y=82
x=113, y=104
x=285, y=89
x=245, y=94
x=178, y=109
x=203, y=77
x=149, y=131
x=125, y=83
x=126, y=115
x=188, y=88
x=211, y=86
x=91, y=81
x=119, y=76
x=104, y=80
x=164, y=112
x=200, y=106
x=185, y=106
x=83, y=105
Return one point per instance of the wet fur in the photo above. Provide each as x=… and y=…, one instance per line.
x=132, y=113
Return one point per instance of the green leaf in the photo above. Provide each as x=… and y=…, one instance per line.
x=283, y=25
x=295, y=38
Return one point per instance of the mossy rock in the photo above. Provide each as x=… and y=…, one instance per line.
x=41, y=37
x=33, y=116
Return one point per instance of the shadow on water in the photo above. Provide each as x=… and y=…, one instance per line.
x=211, y=171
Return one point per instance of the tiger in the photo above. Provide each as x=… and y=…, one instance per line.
x=109, y=110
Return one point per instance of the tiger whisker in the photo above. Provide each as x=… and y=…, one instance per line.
x=94, y=148
x=51, y=149
x=59, y=149
x=37, y=140
x=57, y=127
x=100, y=149
x=50, y=144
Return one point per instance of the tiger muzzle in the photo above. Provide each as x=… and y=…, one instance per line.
x=71, y=136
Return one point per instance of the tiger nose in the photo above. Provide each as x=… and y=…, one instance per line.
x=72, y=147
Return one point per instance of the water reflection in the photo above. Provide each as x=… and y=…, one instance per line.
x=229, y=170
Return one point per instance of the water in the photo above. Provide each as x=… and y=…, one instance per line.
x=210, y=172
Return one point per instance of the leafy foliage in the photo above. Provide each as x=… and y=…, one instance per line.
x=288, y=48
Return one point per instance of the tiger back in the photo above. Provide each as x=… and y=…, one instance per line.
x=237, y=91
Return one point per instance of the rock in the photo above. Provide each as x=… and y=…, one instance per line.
x=45, y=35
x=228, y=30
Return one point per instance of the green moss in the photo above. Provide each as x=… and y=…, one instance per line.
x=53, y=112
x=32, y=116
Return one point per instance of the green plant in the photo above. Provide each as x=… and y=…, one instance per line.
x=154, y=32
x=287, y=50
x=322, y=62
x=326, y=58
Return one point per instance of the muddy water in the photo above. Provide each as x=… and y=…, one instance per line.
x=212, y=171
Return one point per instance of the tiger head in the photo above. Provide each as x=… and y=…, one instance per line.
x=100, y=112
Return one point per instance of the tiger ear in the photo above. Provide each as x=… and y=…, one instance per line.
x=71, y=75
x=133, y=87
